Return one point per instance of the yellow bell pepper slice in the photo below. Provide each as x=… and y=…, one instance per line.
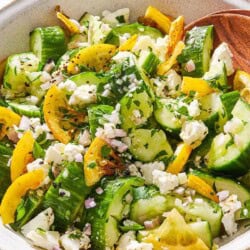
x=181, y=156
x=16, y=191
x=198, y=85
x=164, y=67
x=174, y=234
x=22, y=155
x=97, y=161
x=71, y=26
x=241, y=80
x=202, y=187
x=54, y=102
x=159, y=18
x=129, y=44
x=175, y=34
x=95, y=57
x=8, y=119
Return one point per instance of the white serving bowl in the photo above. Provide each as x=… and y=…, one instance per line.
x=18, y=18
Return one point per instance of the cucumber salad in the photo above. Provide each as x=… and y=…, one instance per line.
x=127, y=136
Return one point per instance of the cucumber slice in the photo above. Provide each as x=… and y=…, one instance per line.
x=104, y=217
x=233, y=186
x=229, y=100
x=211, y=110
x=25, y=109
x=206, y=210
x=64, y=198
x=48, y=43
x=27, y=209
x=148, y=203
x=96, y=117
x=136, y=108
x=88, y=78
x=226, y=157
x=217, y=77
x=199, y=43
x=168, y=114
x=150, y=144
x=203, y=231
x=241, y=110
x=148, y=61
x=64, y=59
x=229, y=154
x=132, y=29
x=15, y=72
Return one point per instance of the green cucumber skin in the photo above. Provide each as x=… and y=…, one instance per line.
x=66, y=208
x=27, y=110
x=236, y=167
x=229, y=100
x=148, y=203
x=134, y=28
x=30, y=207
x=203, y=231
x=233, y=186
x=53, y=43
x=150, y=64
x=96, y=119
x=88, y=78
x=199, y=43
x=99, y=216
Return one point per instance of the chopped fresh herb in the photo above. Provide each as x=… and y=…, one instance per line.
x=92, y=164
x=105, y=151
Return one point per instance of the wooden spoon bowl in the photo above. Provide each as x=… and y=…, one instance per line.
x=234, y=29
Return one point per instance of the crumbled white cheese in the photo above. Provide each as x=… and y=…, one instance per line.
x=182, y=177
x=68, y=86
x=167, y=86
x=222, y=54
x=32, y=99
x=165, y=181
x=42, y=221
x=63, y=192
x=110, y=131
x=233, y=126
x=97, y=30
x=60, y=152
x=144, y=43
x=48, y=239
x=148, y=168
x=85, y=138
x=194, y=108
x=133, y=170
x=193, y=132
x=112, y=18
x=128, y=242
x=137, y=118
x=124, y=37
x=83, y=95
x=223, y=195
x=35, y=126
x=122, y=56
x=71, y=242
x=229, y=206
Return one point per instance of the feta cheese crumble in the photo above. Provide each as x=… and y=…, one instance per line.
x=193, y=132
x=222, y=54
x=83, y=95
x=166, y=182
x=229, y=206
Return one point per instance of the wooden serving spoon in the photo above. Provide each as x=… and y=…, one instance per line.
x=234, y=29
